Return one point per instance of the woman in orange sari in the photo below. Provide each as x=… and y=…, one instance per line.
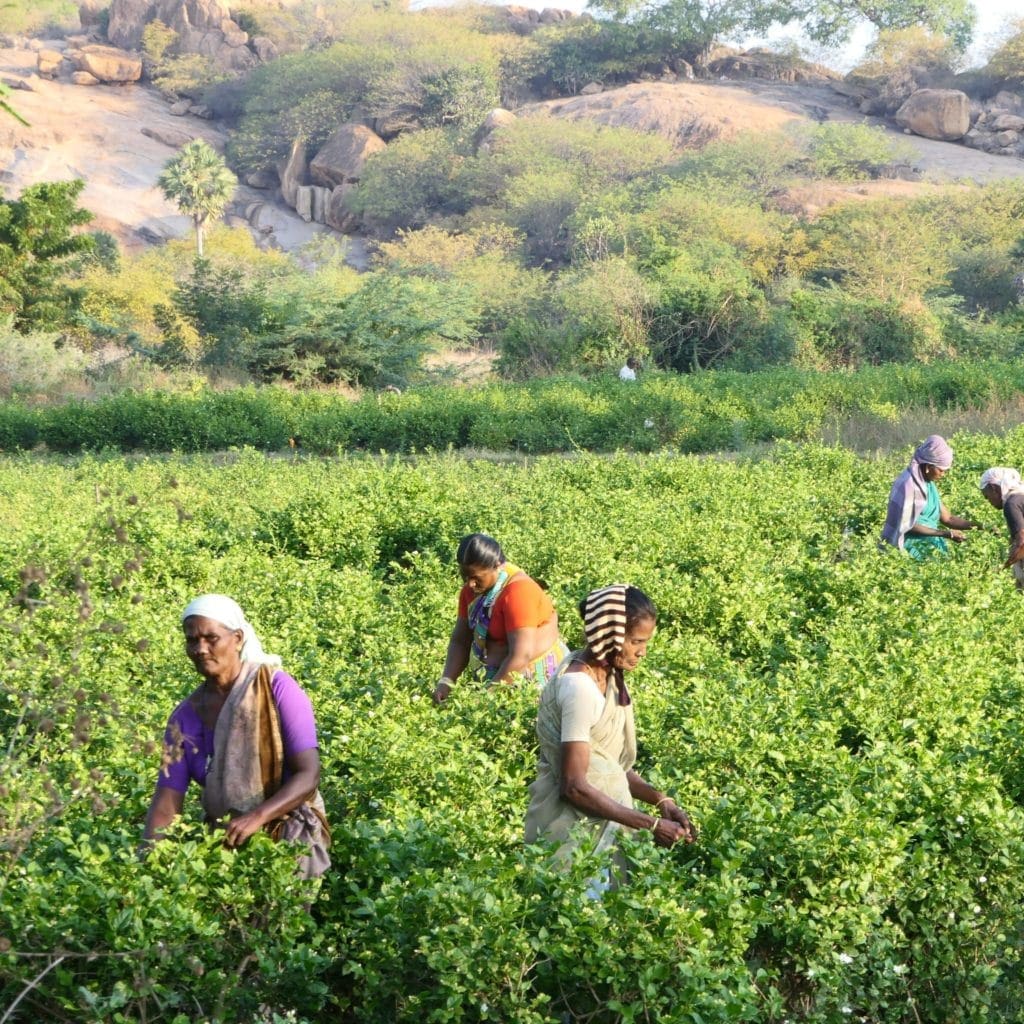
x=506, y=627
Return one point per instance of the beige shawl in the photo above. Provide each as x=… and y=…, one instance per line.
x=248, y=765
x=612, y=754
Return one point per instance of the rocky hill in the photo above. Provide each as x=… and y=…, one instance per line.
x=118, y=136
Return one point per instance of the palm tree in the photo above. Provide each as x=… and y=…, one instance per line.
x=199, y=181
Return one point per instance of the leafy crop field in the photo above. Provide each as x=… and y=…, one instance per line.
x=708, y=412
x=843, y=725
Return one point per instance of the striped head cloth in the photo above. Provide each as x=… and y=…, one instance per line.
x=604, y=620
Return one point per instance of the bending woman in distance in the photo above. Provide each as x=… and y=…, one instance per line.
x=247, y=736
x=506, y=625
x=917, y=522
x=1003, y=489
x=585, y=778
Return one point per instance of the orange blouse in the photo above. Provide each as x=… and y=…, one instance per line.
x=521, y=604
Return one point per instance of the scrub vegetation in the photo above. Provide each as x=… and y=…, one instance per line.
x=561, y=247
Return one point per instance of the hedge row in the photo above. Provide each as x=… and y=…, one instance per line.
x=709, y=412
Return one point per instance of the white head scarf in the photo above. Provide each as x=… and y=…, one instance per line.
x=1007, y=480
x=228, y=613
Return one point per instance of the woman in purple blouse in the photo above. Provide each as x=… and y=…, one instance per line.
x=246, y=735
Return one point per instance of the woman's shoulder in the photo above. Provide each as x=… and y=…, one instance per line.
x=186, y=714
x=579, y=684
x=283, y=684
x=522, y=586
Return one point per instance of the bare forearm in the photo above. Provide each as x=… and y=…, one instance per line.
x=959, y=523
x=585, y=797
x=920, y=530
x=456, y=662
x=289, y=796
x=165, y=806
x=643, y=790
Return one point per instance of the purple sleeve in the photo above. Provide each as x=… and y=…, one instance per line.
x=298, y=727
x=182, y=756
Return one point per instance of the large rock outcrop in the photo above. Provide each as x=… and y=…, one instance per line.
x=317, y=189
x=525, y=20
x=943, y=114
x=769, y=67
x=293, y=172
x=688, y=114
x=203, y=26
x=999, y=126
x=108, y=64
x=343, y=156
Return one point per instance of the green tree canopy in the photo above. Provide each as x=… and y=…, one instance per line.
x=697, y=24
x=833, y=21
x=199, y=181
x=38, y=246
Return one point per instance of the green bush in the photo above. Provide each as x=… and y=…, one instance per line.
x=704, y=412
x=414, y=180
x=836, y=330
x=404, y=70
x=851, y=152
x=986, y=280
x=37, y=365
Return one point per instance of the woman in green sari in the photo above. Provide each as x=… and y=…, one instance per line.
x=916, y=521
x=585, y=778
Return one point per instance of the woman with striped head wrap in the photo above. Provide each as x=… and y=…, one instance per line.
x=585, y=778
x=1004, y=490
x=916, y=521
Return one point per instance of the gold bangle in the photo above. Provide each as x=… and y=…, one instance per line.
x=664, y=800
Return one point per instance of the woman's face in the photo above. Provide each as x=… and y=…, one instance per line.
x=932, y=473
x=212, y=648
x=994, y=495
x=478, y=578
x=634, y=647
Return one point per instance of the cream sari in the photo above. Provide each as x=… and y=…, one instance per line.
x=612, y=755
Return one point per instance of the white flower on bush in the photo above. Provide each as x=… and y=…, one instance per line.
x=845, y=958
x=982, y=879
x=899, y=970
x=976, y=909
x=845, y=1009
x=648, y=424
x=959, y=819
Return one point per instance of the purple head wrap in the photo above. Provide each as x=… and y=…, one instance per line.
x=934, y=451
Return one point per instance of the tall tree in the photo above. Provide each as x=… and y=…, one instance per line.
x=833, y=21
x=38, y=246
x=698, y=24
x=199, y=182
